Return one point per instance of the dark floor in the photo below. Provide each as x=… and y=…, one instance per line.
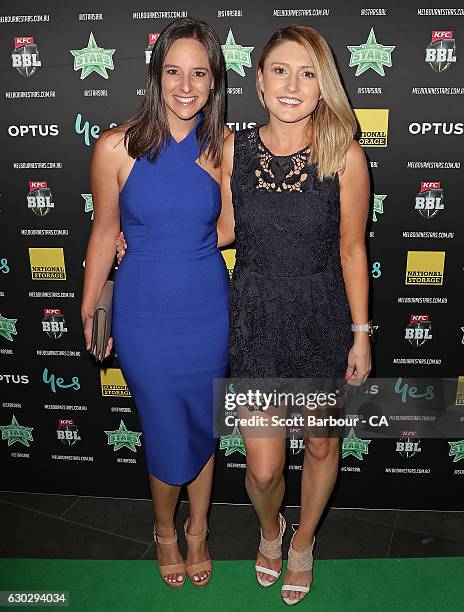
x=68, y=527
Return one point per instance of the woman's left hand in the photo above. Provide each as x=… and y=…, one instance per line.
x=359, y=361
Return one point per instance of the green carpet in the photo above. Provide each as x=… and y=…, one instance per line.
x=362, y=584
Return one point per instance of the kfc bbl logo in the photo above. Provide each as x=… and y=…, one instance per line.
x=25, y=55
x=67, y=432
x=429, y=201
x=53, y=323
x=39, y=199
x=419, y=330
x=295, y=441
x=152, y=38
x=441, y=52
x=409, y=444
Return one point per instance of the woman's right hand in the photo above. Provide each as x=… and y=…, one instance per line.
x=121, y=246
x=87, y=323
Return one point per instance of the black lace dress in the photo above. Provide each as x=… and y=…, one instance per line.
x=289, y=314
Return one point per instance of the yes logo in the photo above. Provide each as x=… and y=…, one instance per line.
x=39, y=198
x=54, y=382
x=87, y=130
x=25, y=56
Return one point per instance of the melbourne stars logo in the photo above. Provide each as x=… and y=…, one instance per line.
x=88, y=203
x=7, y=328
x=456, y=450
x=236, y=56
x=378, y=206
x=371, y=55
x=123, y=437
x=93, y=59
x=233, y=442
x=14, y=432
x=354, y=446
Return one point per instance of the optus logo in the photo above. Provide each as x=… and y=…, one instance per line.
x=34, y=130
x=437, y=128
x=87, y=129
x=16, y=379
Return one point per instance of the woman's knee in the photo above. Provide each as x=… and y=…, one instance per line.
x=264, y=477
x=322, y=448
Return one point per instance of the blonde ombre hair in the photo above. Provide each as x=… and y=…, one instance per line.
x=333, y=124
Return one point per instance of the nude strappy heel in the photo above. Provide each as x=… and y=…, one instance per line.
x=194, y=568
x=273, y=550
x=298, y=561
x=173, y=568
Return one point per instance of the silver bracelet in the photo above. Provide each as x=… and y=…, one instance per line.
x=367, y=327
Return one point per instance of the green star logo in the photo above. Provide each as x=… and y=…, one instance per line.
x=236, y=56
x=7, y=328
x=93, y=59
x=14, y=432
x=378, y=206
x=233, y=442
x=88, y=203
x=354, y=446
x=123, y=437
x=371, y=55
x=456, y=450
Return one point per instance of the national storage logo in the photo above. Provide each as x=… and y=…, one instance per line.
x=374, y=126
x=229, y=258
x=425, y=268
x=47, y=264
x=113, y=383
x=460, y=392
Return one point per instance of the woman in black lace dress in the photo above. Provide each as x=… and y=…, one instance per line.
x=297, y=190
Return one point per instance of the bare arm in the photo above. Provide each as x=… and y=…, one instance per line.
x=104, y=168
x=226, y=220
x=354, y=210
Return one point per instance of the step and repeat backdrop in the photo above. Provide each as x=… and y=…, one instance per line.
x=70, y=71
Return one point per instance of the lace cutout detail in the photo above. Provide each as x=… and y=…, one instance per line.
x=281, y=172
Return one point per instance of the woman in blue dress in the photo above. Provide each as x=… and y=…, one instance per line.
x=160, y=175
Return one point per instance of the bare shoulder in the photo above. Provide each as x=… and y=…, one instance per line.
x=228, y=153
x=111, y=143
x=227, y=131
x=355, y=155
x=229, y=143
x=355, y=161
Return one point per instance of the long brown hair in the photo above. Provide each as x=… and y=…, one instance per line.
x=148, y=132
x=333, y=124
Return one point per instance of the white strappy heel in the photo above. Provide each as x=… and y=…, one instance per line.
x=273, y=550
x=298, y=561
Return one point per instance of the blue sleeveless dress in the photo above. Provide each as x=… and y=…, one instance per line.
x=170, y=307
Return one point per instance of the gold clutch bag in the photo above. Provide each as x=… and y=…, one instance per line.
x=101, y=327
